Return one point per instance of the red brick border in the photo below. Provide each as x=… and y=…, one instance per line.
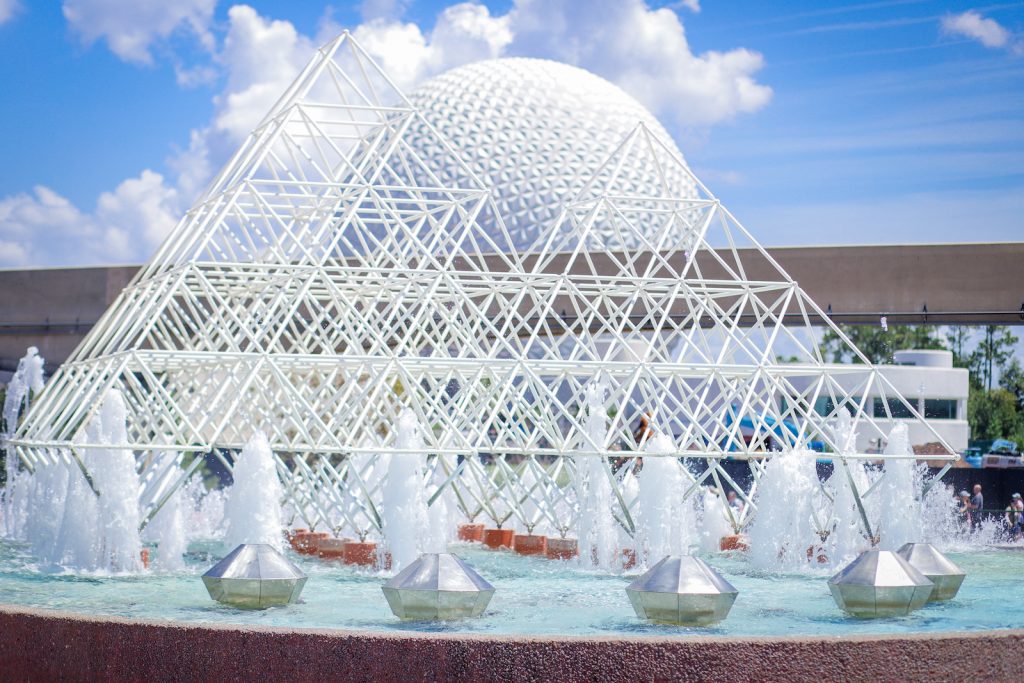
x=40, y=645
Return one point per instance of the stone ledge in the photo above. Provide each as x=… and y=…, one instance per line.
x=49, y=645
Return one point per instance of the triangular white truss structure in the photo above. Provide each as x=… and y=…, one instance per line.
x=327, y=279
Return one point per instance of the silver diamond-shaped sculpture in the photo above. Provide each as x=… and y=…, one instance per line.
x=438, y=586
x=938, y=569
x=682, y=590
x=254, y=576
x=880, y=583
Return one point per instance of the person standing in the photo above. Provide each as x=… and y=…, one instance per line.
x=977, y=505
x=965, y=519
x=1015, y=517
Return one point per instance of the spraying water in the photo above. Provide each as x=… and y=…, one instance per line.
x=660, y=485
x=594, y=490
x=92, y=532
x=78, y=544
x=113, y=472
x=847, y=537
x=253, y=506
x=901, y=517
x=45, y=505
x=714, y=522
x=403, y=505
x=27, y=378
x=167, y=528
x=783, y=529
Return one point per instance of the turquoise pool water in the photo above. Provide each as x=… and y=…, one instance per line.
x=534, y=596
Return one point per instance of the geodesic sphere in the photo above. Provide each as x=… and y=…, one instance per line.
x=536, y=131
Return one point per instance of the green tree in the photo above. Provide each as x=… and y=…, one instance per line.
x=877, y=343
x=1011, y=378
x=994, y=352
x=994, y=415
x=958, y=339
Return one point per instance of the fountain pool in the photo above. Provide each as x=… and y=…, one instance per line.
x=536, y=597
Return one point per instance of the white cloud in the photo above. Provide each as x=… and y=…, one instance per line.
x=139, y=207
x=646, y=53
x=12, y=254
x=643, y=50
x=261, y=58
x=131, y=27
x=971, y=24
x=43, y=227
x=463, y=33
x=8, y=8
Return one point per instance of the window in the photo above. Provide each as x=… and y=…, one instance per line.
x=896, y=408
x=940, y=408
x=824, y=405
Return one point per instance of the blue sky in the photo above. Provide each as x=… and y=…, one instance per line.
x=859, y=122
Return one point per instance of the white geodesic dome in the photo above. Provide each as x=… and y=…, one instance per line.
x=536, y=131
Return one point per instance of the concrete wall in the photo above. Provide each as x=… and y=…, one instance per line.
x=967, y=283
x=53, y=309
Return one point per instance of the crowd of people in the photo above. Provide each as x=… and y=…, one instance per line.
x=972, y=508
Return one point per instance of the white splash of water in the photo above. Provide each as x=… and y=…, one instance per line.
x=403, y=505
x=437, y=527
x=45, y=507
x=597, y=538
x=113, y=473
x=253, y=507
x=204, y=510
x=78, y=545
x=783, y=529
x=660, y=513
x=167, y=529
x=847, y=536
x=843, y=433
x=901, y=518
x=27, y=377
x=714, y=522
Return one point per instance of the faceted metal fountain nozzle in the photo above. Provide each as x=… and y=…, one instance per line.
x=438, y=586
x=880, y=583
x=254, y=575
x=682, y=590
x=936, y=567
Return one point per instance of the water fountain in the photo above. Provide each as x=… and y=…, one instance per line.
x=784, y=528
x=596, y=533
x=880, y=583
x=426, y=361
x=661, y=515
x=252, y=509
x=27, y=379
x=403, y=507
x=682, y=590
